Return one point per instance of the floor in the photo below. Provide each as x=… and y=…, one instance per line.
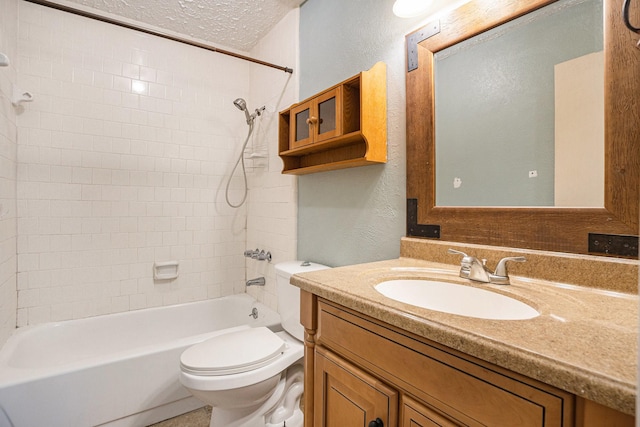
x=198, y=418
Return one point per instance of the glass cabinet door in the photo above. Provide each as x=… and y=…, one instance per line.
x=316, y=120
x=302, y=130
x=329, y=115
x=300, y=133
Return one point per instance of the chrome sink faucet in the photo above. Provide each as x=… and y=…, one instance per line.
x=473, y=269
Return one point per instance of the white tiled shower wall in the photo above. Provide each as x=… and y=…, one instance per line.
x=123, y=157
x=272, y=203
x=8, y=149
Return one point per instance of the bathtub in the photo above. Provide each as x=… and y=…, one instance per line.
x=115, y=370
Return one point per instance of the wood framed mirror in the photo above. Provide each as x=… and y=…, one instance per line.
x=573, y=230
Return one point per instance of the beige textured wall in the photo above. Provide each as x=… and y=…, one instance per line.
x=579, y=132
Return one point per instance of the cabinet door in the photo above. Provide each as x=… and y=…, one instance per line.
x=317, y=120
x=300, y=133
x=346, y=396
x=414, y=414
x=329, y=115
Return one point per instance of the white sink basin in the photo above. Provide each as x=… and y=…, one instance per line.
x=456, y=299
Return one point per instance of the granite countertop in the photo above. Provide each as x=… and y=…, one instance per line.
x=584, y=341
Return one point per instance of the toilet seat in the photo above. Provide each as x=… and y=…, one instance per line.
x=233, y=353
x=294, y=351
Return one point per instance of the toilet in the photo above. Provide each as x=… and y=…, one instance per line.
x=253, y=377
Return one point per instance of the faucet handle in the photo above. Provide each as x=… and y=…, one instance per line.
x=501, y=268
x=453, y=251
x=466, y=259
x=465, y=263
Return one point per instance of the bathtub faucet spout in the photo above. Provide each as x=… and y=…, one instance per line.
x=256, y=282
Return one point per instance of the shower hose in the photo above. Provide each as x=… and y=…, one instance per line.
x=244, y=172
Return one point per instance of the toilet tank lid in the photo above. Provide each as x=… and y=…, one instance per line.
x=289, y=268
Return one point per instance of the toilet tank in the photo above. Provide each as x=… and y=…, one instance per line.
x=289, y=295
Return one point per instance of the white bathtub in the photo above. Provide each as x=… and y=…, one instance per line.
x=116, y=370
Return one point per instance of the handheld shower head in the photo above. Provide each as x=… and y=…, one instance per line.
x=242, y=106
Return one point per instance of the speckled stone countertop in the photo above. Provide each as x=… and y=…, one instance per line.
x=584, y=341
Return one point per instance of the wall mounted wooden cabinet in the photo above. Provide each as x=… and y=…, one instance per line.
x=342, y=127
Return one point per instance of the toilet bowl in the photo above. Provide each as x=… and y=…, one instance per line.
x=253, y=377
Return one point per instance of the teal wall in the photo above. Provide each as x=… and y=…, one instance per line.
x=354, y=215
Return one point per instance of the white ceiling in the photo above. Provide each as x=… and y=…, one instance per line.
x=237, y=24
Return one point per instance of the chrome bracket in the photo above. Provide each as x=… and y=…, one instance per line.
x=429, y=30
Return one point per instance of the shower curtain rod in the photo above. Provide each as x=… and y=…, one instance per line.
x=164, y=35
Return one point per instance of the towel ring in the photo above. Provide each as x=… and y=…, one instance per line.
x=625, y=17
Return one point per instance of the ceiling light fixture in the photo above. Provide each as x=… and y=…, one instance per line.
x=413, y=8
x=410, y=8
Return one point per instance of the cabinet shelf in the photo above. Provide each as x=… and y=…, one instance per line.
x=356, y=122
x=340, y=141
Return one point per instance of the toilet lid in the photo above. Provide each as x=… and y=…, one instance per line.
x=233, y=353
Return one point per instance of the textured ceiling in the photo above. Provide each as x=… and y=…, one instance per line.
x=238, y=24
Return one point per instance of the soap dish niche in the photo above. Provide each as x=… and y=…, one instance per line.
x=167, y=270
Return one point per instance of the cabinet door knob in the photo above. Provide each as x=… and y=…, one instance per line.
x=376, y=423
x=312, y=120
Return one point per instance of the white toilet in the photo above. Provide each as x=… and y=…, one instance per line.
x=253, y=377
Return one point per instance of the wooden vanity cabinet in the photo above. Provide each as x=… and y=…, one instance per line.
x=348, y=396
x=358, y=369
x=414, y=413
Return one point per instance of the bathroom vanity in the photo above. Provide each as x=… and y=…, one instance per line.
x=373, y=361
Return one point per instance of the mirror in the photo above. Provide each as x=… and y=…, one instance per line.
x=531, y=96
x=563, y=229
